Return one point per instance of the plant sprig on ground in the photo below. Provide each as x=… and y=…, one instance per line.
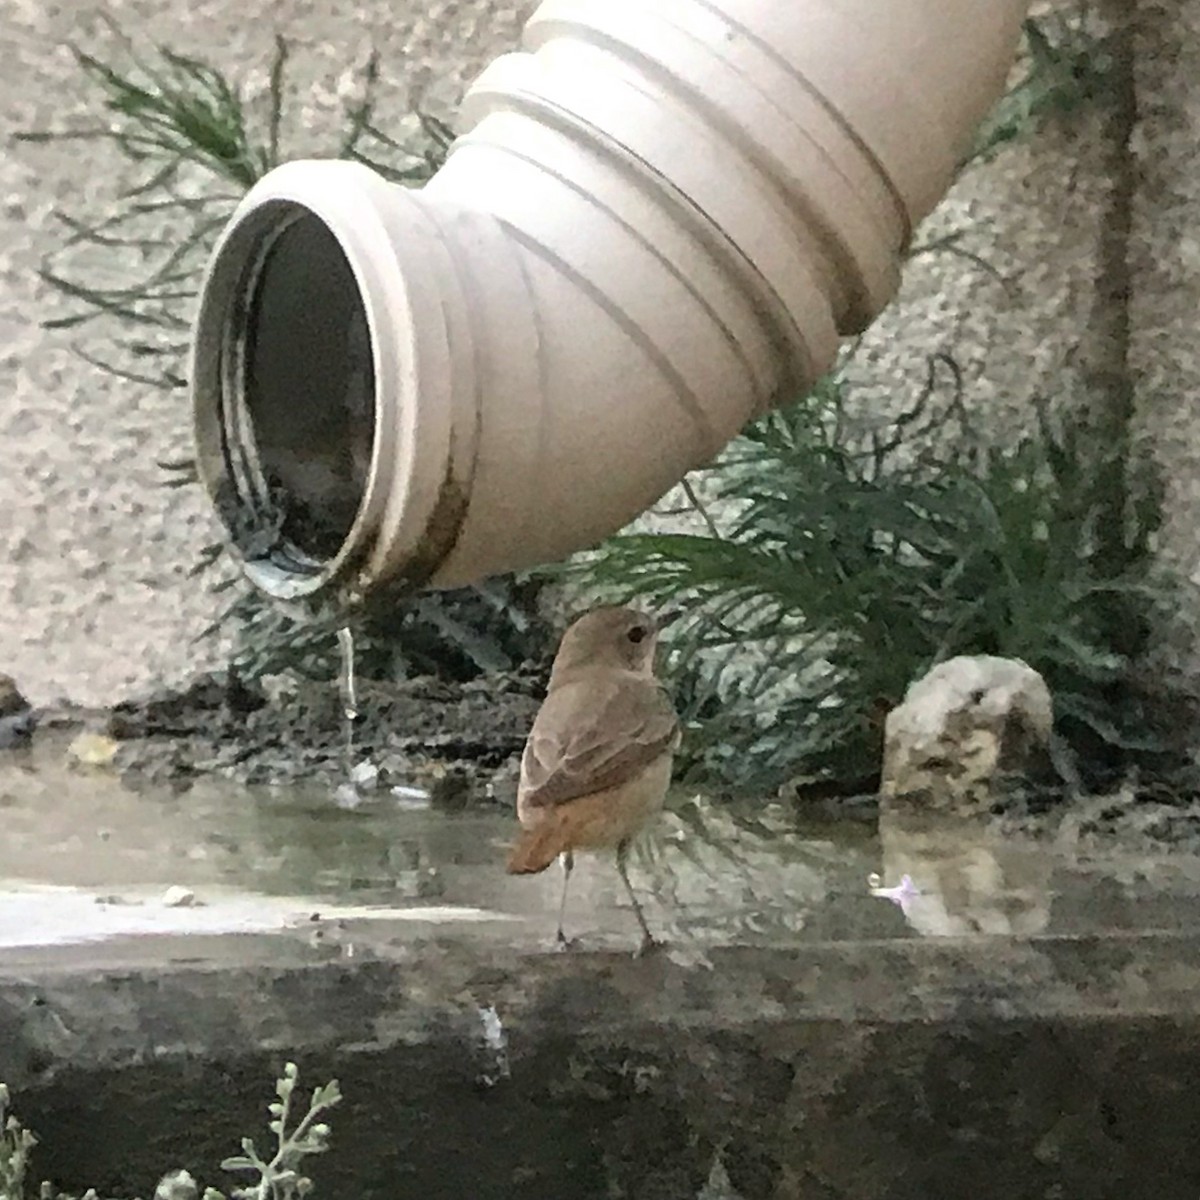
x=280, y=1177
x=16, y=1145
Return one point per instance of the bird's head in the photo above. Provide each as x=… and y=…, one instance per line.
x=620, y=638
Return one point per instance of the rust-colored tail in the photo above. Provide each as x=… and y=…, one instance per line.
x=537, y=848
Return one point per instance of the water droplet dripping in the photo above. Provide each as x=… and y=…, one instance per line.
x=348, y=687
x=347, y=681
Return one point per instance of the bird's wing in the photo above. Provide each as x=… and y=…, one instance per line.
x=595, y=733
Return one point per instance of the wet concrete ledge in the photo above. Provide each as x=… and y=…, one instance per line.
x=70, y=1008
x=870, y=1069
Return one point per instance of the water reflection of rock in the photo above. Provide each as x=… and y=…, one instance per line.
x=970, y=878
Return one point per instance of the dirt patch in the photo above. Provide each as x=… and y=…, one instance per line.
x=1156, y=814
x=459, y=741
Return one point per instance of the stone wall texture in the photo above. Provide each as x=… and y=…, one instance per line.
x=1093, y=225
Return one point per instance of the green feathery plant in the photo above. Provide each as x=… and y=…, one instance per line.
x=279, y=1177
x=16, y=1145
x=132, y=275
x=846, y=562
x=852, y=563
x=1065, y=68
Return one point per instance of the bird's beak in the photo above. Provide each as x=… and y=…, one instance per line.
x=667, y=617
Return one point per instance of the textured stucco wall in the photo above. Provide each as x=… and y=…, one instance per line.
x=1035, y=216
x=1021, y=315
x=1164, y=281
x=94, y=597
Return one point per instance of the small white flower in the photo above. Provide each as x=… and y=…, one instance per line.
x=901, y=895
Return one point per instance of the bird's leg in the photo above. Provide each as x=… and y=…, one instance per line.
x=648, y=942
x=567, y=861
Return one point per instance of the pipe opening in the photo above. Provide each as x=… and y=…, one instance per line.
x=291, y=394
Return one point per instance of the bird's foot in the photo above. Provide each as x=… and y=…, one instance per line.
x=649, y=946
x=562, y=943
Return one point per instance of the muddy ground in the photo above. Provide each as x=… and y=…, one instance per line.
x=461, y=742
x=457, y=745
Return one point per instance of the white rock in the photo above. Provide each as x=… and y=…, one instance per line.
x=347, y=796
x=967, y=722
x=179, y=897
x=364, y=775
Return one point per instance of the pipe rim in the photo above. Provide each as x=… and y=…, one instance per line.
x=354, y=206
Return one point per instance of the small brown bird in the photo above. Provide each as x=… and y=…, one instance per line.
x=597, y=763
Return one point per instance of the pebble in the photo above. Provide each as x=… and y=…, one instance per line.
x=413, y=798
x=364, y=775
x=93, y=749
x=347, y=796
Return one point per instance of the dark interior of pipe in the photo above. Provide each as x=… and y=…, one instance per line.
x=308, y=389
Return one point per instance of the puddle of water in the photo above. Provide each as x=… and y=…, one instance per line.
x=37, y=916
x=83, y=857
x=557, y=1086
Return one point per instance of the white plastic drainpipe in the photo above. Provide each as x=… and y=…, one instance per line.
x=659, y=220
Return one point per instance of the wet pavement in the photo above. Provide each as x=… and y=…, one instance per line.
x=87, y=861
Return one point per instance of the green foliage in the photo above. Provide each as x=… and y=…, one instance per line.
x=1065, y=67
x=16, y=1145
x=199, y=144
x=278, y=1178
x=855, y=561
x=460, y=634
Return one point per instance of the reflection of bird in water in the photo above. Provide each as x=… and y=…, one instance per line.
x=17, y=718
x=597, y=763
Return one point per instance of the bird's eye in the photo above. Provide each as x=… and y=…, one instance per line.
x=637, y=634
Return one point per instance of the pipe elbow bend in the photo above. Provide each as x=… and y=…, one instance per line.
x=660, y=219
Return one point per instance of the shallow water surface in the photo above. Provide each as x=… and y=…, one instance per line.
x=84, y=857
x=1019, y=1020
